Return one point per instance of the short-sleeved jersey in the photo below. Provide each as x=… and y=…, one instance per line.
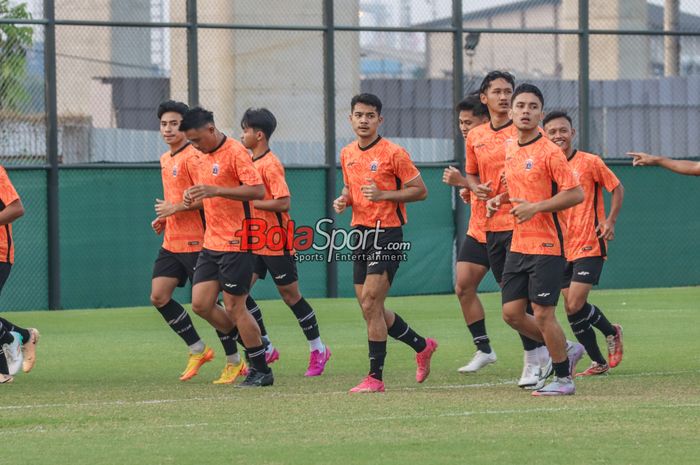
x=486, y=153
x=272, y=172
x=535, y=172
x=227, y=166
x=8, y=194
x=184, y=231
x=390, y=167
x=583, y=219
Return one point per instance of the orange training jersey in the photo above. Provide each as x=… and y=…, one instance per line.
x=228, y=166
x=477, y=219
x=390, y=167
x=8, y=194
x=582, y=219
x=272, y=172
x=536, y=172
x=184, y=231
x=486, y=155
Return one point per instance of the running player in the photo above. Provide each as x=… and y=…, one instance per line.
x=687, y=167
x=228, y=181
x=379, y=179
x=17, y=344
x=258, y=124
x=539, y=183
x=587, y=231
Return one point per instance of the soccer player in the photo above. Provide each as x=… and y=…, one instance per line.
x=587, y=230
x=183, y=234
x=258, y=124
x=472, y=259
x=228, y=182
x=687, y=167
x=17, y=344
x=379, y=179
x=539, y=183
x=485, y=149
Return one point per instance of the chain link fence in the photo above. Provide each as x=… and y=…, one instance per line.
x=81, y=81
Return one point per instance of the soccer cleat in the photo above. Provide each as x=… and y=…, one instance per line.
x=479, y=361
x=13, y=354
x=5, y=379
x=272, y=356
x=545, y=371
x=530, y=376
x=195, y=362
x=575, y=352
x=231, y=372
x=423, y=359
x=558, y=387
x=29, y=350
x=257, y=378
x=615, y=347
x=317, y=362
x=595, y=369
x=369, y=384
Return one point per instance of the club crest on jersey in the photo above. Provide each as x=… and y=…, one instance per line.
x=175, y=171
x=577, y=176
x=215, y=169
x=373, y=166
x=528, y=164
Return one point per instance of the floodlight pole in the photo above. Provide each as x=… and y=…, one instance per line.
x=329, y=122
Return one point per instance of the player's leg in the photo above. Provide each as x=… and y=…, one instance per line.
x=173, y=313
x=29, y=337
x=234, y=366
x=577, y=311
x=10, y=353
x=259, y=272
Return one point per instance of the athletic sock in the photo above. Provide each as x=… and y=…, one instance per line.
x=5, y=336
x=12, y=327
x=402, y=332
x=254, y=310
x=584, y=333
x=377, y=354
x=3, y=362
x=317, y=344
x=228, y=341
x=180, y=322
x=256, y=355
x=197, y=348
x=233, y=359
x=479, y=336
x=561, y=369
x=597, y=319
x=306, y=318
x=529, y=344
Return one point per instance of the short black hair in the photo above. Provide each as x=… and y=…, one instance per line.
x=555, y=115
x=492, y=76
x=368, y=99
x=260, y=119
x=196, y=118
x=172, y=106
x=528, y=89
x=473, y=103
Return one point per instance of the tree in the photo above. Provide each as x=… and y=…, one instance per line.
x=15, y=39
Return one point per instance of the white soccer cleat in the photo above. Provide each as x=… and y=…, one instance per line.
x=479, y=361
x=530, y=376
x=546, y=370
x=5, y=379
x=13, y=354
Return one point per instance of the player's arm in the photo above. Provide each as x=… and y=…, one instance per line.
x=412, y=191
x=453, y=177
x=11, y=212
x=343, y=201
x=241, y=193
x=691, y=168
x=494, y=203
x=482, y=190
x=524, y=210
x=165, y=209
x=281, y=205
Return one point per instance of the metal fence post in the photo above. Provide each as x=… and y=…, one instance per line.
x=584, y=141
x=457, y=91
x=329, y=111
x=192, y=54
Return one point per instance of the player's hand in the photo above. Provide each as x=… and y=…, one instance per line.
x=492, y=206
x=451, y=176
x=483, y=191
x=340, y=204
x=606, y=230
x=371, y=191
x=523, y=210
x=158, y=225
x=504, y=183
x=465, y=194
x=643, y=159
x=164, y=208
x=199, y=192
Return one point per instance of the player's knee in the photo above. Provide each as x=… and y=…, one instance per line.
x=573, y=304
x=200, y=308
x=511, y=319
x=159, y=300
x=290, y=297
x=543, y=317
x=464, y=289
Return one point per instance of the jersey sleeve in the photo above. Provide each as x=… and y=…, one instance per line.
x=273, y=176
x=343, y=168
x=191, y=166
x=404, y=169
x=245, y=170
x=472, y=166
x=560, y=171
x=8, y=194
x=604, y=175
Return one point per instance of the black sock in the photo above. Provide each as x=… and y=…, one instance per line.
x=228, y=341
x=561, y=369
x=377, y=354
x=402, y=332
x=256, y=355
x=598, y=320
x=584, y=333
x=179, y=320
x=5, y=336
x=12, y=327
x=529, y=344
x=254, y=310
x=481, y=340
x=306, y=318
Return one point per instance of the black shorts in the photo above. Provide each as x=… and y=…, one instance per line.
x=585, y=270
x=533, y=277
x=473, y=251
x=376, y=260
x=498, y=247
x=233, y=270
x=4, y=273
x=175, y=265
x=283, y=268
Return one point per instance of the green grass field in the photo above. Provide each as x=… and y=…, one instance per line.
x=105, y=391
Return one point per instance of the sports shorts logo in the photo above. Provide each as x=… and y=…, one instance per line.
x=528, y=164
x=583, y=273
x=373, y=166
x=281, y=276
x=372, y=264
x=543, y=294
x=230, y=285
x=215, y=169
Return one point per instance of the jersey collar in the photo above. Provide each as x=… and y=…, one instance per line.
x=502, y=127
x=172, y=154
x=573, y=154
x=539, y=136
x=263, y=154
x=376, y=141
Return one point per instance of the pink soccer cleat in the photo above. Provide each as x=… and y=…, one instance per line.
x=317, y=362
x=368, y=384
x=423, y=359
